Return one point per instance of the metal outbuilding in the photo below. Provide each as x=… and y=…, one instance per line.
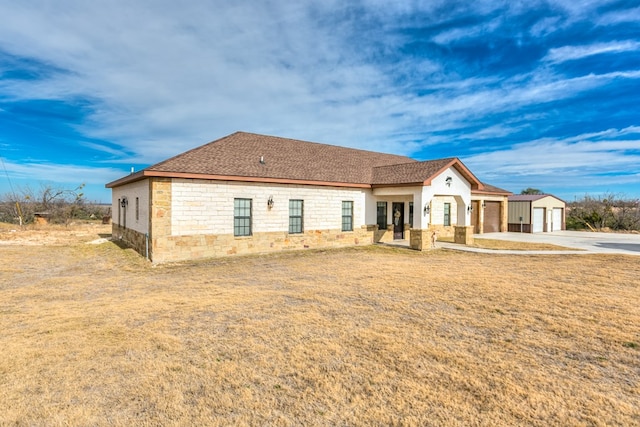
x=536, y=213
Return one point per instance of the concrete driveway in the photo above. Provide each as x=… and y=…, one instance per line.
x=584, y=241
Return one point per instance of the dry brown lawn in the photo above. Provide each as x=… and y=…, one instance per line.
x=512, y=245
x=94, y=335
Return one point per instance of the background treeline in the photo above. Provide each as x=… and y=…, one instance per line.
x=58, y=206
x=604, y=213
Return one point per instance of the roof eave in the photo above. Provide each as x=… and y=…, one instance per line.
x=186, y=175
x=127, y=179
x=492, y=192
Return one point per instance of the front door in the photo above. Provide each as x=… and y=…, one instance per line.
x=398, y=221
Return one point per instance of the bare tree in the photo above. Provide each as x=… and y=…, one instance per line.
x=609, y=211
x=57, y=204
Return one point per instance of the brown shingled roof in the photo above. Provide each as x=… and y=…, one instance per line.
x=408, y=173
x=420, y=172
x=246, y=156
x=530, y=197
x=239, y=155
x=491, y=189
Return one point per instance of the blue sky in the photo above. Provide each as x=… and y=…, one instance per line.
x=542, y=94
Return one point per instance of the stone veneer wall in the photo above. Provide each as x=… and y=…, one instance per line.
x=383, y=236
x=464, y=235
x=160, y=217
x=133, y=238
x=165, y=247
x=179, y=248
x=420, y=239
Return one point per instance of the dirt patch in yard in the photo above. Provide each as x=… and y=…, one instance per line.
x=52, y=235
x=95, y=335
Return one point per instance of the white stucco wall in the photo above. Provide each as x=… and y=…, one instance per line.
x=206, y=207
x=127, y=216
x=433, y=195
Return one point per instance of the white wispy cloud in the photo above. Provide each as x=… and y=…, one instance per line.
x=163, y=77
x=619, y=16
x=70, y=174
x=570, y=53
x=596, y=160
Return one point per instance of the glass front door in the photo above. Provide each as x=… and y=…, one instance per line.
x=398, y=221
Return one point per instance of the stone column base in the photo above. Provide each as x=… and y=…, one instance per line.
x=420, y=239
x=464, y=235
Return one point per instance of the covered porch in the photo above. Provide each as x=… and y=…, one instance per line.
x=404, y=220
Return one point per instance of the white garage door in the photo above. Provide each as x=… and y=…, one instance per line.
x=538, y=220
x=557, y=219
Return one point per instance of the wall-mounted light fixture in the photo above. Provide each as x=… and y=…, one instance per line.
x=124, y=202
x=427, y=209
x=483, y=205
x=469, y=209
x=270, y=202
x=448, y=181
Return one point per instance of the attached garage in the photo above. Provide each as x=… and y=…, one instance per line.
x=491, y=217
x=536, y=213
x=489, y=209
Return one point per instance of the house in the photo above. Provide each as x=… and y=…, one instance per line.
x=249, y=193
x=535, y=213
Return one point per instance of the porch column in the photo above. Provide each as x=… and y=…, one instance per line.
x=420, y=239
x=504, y=215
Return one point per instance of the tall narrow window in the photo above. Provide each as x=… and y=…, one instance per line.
x=242, y=217
x=447, y=214
x=411, y=214
x=295, y=216
x=137, y=208
x=382, y=215
x=347, y=216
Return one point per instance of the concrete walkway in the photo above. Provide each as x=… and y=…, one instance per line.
x=583, y=243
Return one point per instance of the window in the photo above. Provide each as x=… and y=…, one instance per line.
x=411, y=214
x=447, y=214
x=137, y=208
x=382, y=215
x=347, y=216
x=295, y=216
x=242, y=217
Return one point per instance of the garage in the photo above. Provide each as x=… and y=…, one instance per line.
x=538, y=220
x=536, y=213
x=489, y=209
x=491, y=217
x=556, y=224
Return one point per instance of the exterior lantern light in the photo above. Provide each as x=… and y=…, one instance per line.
x=270, y=202
x=448, y=181
x=427, y=209
x=124, y=202
x=469, y=208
